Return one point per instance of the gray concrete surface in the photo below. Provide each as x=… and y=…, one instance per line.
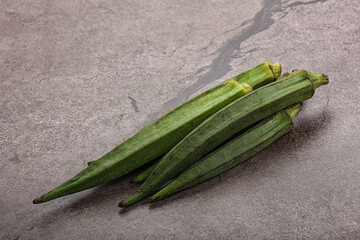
x=79, y=77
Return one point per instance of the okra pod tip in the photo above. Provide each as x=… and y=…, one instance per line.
x=136, y=197
x=38, y=200
x=293, y=110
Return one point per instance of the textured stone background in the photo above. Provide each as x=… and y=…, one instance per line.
x=79, y=77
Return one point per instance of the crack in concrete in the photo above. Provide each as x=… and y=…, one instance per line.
x=88, y=80
x=221, y=64
x=134, y=104
x=241, y=54
x=327, y=104
x=295, y=4
x=31, y=228
x=246, y=22
x=304, y=3
x=117, y=123
x=324, y=110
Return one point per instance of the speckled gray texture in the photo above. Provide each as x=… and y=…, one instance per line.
x=79, y=77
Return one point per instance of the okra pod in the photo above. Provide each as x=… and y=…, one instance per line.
x=160, y=136
x=234, y=152
x=230, y=120
x=142, y=176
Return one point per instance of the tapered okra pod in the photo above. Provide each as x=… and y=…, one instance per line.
x=230, y=120
x=142, y=176
x=234, y=152
x=161, y=135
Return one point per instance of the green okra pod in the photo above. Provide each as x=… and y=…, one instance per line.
x=243, y=147
x=160, y=136
x=142, y=176
x=238, y=115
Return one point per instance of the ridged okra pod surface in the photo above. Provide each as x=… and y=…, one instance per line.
x=243, y=147
x=230, y=120
x=160, y=136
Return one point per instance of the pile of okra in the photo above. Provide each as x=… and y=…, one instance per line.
x=205, y=136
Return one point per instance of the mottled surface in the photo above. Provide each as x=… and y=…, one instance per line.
x=79, y=77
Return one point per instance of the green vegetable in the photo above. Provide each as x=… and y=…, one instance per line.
x=141, y=177
x=234, y=152
x=230, y=120
x=161, y=135
x=146, y=173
